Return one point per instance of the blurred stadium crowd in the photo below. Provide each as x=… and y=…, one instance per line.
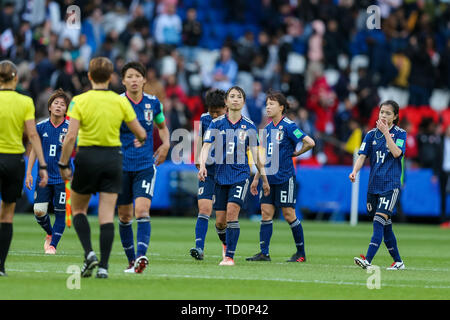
x=319, y=53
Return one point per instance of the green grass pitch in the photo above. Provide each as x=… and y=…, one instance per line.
x=173, y=274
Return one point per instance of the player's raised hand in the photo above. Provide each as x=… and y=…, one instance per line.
x=382, y=126
x=254, y=187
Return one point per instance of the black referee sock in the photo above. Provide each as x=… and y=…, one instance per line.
x=106, y=243
x=6, y=232
x=81, y=224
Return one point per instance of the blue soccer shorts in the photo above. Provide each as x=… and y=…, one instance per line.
x=383, y=203
x=136, y=184
x=51, y=193
x=230, y=193
x=282, y=195
x=206, y=188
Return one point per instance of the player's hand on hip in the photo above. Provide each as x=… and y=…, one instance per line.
x=137, y=143
x=29, y=181
x=44, y=177
x=254, y=187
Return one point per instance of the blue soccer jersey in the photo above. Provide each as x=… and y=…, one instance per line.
x=148, y=110
x=52, y=138
x=231, y=142
x=280, y=142
x=205, y=121
x=385, y=170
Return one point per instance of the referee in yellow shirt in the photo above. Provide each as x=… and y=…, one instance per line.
x=16, y=115
x=96, y=117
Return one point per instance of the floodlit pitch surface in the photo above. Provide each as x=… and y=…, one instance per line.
x=329, y=272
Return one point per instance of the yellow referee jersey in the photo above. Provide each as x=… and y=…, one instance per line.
x=15, y=109
x=100, y=113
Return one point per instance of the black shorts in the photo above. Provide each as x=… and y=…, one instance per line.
x=97, y=169
x=12, y=173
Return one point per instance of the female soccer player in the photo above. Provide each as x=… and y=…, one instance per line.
x=51, y=132
x=282, y=135
x=16, y=116
x=215, y=102
x=139, y=170
x=232, y=134
x=385, y=146
x=97, y=115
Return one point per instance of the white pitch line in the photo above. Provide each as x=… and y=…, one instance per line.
x=186, y=276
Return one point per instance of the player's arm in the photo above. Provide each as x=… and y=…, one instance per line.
x=308, y=144
x=358, y=165
x=198, y=150
x=67, y=148
x=161, y=153
x=29, y=176
x=202, y=172
x=138, y=131
x=261, y=170
x=33, y=136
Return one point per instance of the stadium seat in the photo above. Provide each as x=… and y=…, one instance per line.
x=401, y=96
x=359, y=61
x=207, y=59
x=245, y=81
x=332, y=76
x=440, y=99
x=296, y=63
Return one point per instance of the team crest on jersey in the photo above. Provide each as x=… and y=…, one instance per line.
x=279, y=136
x=242, y=135
x=61, y=137
x=148, y=115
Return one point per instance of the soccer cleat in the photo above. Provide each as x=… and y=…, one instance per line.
x=396, y=266
x=48, y=240
x=296, y=257
x=227, y=261
x=50, y=250
x=140, y=264
x=89, y=264
x=130, y=268
x=3, y=274
x=224, y=250
x=362, y=262
x=102, y=273
x=197, y=253
x=259, y=257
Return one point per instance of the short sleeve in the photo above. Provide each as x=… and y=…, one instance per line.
x=29, y=110
x=400, y=141
x=295, y=134
x=129, y=113
x=159, y=114
x=365, y=145
x=209, y=136
x=253, y=139
x=74, y=110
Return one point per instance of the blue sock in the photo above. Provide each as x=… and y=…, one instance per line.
x=127, y=238
x=45, y=223
x=297, y=233
x=265, y=233
x=391, y=242
x=232, y=234
x=58, y=227
x=143, y=235
x=377, y=237
x=201, y=228
x=222, y=233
